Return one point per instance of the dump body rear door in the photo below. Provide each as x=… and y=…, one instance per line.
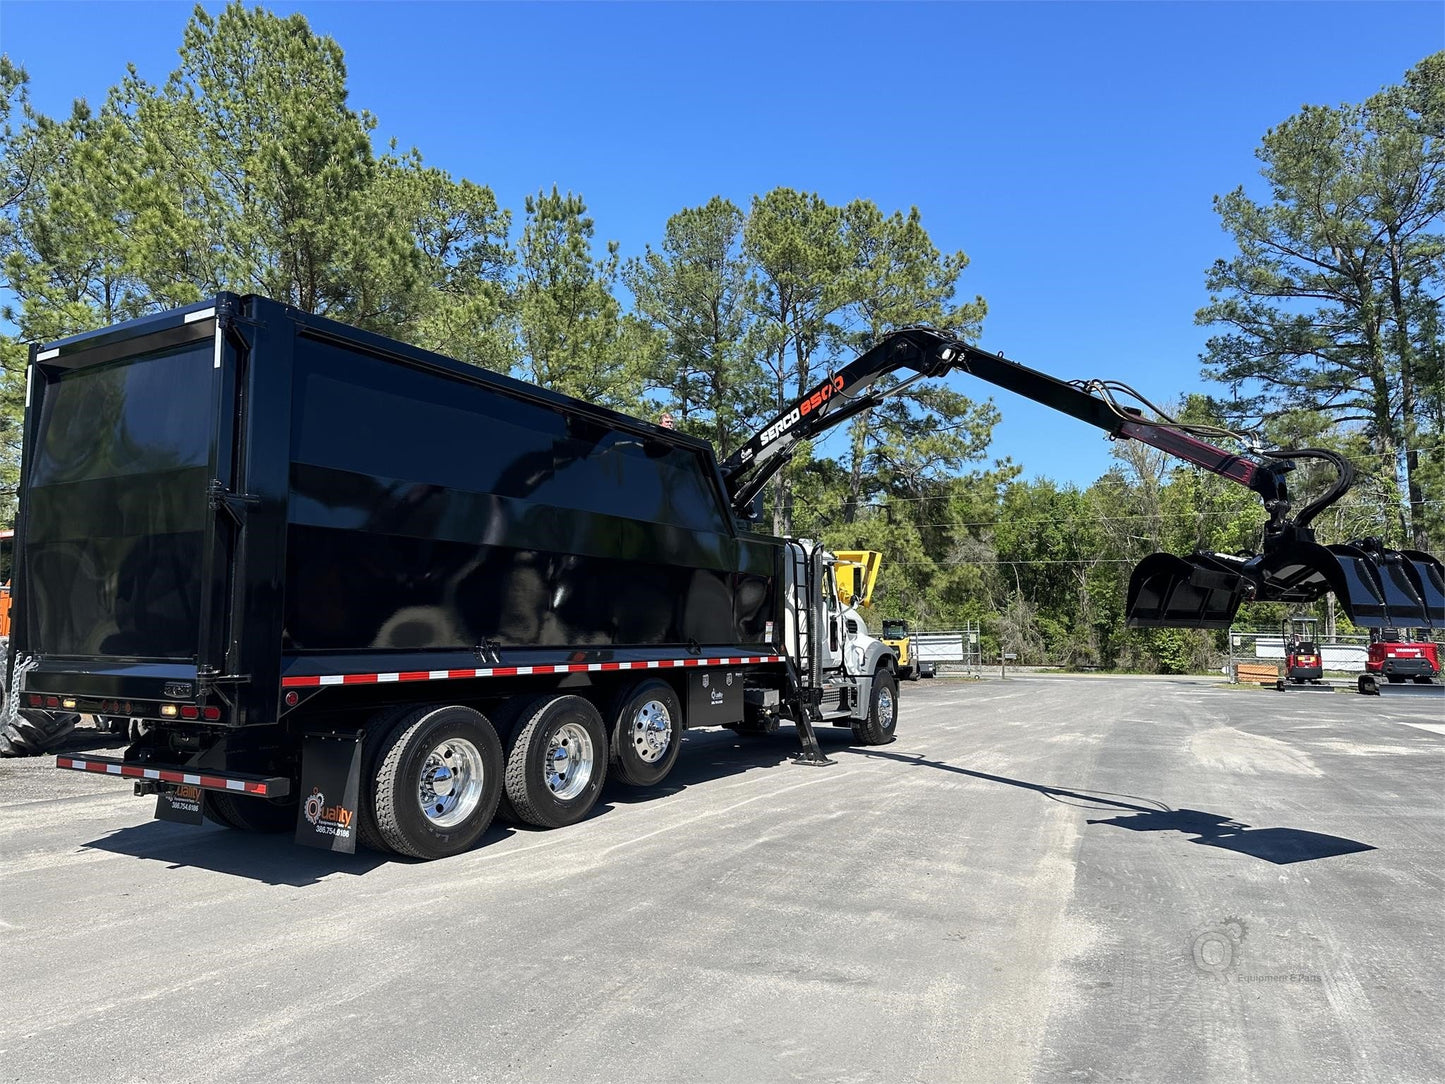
x=121, y=565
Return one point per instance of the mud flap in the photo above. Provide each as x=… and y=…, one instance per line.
x=1202, y=592
x=330, y=791
x=180, y=803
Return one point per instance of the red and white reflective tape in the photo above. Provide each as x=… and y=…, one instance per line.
x=163, y=775
x=517, y=671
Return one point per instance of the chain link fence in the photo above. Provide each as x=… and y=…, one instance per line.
x=958, y=650
x=1343, y=654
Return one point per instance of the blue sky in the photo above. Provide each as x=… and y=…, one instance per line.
x=1072, y=150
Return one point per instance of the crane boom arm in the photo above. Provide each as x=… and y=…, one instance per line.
x=925, y=352
x=1378, y=587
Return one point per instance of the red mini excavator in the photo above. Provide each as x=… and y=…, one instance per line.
x=1302, y=659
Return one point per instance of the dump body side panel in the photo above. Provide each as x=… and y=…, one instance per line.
x=432, y=513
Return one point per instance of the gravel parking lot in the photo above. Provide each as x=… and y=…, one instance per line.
x=1044, y=878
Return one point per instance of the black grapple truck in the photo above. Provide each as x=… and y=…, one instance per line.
x=362, y=592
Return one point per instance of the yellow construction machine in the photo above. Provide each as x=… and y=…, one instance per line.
x=857, y=572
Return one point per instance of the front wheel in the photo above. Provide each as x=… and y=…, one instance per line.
x=438, y=777
x=882, y=719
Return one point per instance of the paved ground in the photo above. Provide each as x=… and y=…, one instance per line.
x=1083, y=879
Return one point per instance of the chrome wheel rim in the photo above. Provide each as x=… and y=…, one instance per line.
x=450, y=787
x=885, y=709
x=651, y=731
x=567, y=767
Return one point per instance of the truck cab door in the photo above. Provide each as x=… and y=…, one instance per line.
x=831, y=638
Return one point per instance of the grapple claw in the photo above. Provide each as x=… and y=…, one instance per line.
x=1202, y=591
x=1376, y=587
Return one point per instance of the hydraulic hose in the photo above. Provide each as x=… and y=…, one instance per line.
x=1345, y=477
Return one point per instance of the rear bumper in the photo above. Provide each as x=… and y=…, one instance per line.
x=1406, y=668
x=257, y=786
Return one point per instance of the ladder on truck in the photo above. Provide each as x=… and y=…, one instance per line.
x=805, y=696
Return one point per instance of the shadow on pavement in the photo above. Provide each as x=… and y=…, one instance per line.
x=274, y=859
x=708, y=755
x=1281, y=846
x=269, y=858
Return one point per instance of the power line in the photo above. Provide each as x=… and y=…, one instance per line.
x=1093, y=519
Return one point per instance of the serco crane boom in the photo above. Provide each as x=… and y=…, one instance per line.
x=1377, y=586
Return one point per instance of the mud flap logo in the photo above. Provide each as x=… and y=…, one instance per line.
x=328, y=820
x=181, y=804
x=314, y=805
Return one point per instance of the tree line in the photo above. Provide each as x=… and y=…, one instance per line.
x=249, y=170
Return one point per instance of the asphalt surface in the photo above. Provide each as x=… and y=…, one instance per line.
x=1051, y=879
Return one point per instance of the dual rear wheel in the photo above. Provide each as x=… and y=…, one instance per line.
x=434, y=778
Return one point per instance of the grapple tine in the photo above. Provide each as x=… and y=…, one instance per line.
x=1429, y=575
x=1376, y=587
x=1383, y=588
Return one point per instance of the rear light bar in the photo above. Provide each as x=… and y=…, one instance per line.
x=209, y=712
x=234, y=782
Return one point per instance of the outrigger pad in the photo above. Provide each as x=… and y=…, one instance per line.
x=1202, y=591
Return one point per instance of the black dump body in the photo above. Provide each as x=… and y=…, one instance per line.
x=232, y=500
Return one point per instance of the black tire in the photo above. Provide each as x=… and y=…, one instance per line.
x=27, y=737
x=217, y=814
x=262, y=815
x=640, y=754
x=508, y=718
x=424, y=743
x=551, y=736
x=882, y=721
x=377, y=732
